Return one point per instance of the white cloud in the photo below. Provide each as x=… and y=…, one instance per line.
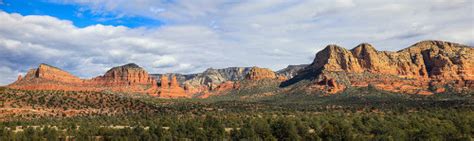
x=165, y=61
x=211, y=33
x=8, y=75
x=26, y=41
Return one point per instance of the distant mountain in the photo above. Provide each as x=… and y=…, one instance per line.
x=209, y=76
x=292, y=70
x=217, y=76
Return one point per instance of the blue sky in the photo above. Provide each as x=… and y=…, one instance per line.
x=79, y=15
x=88, y=37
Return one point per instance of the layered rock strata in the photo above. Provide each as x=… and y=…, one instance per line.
x=171, y=89
x=423, y=68
x=260, y=73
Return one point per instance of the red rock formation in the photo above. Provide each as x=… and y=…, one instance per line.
x=130, y=73
x=171, y=89
x=410, y=70
x=424, y=68
x=128, y=78
x=330, y=85
x=164, y=82
x=226, y=86
x=260, y=73
x=335, y=58
x=174, y=82
x=218, y=89
x=46, y=77
x=281, y=77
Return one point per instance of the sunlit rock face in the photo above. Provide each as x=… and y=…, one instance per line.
x=127, y=78
x=417, y=69
x=257, y=73
x=171, y=89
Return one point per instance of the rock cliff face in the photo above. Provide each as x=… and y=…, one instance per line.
x=260, y=73
x=126, y=78
x=423, y=66
x=217, y=76
x=171, y=89
x=127, y=74
x=48, y=72
x=180, y=77
x=47, y=77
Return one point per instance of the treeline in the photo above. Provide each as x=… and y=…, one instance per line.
x=421, y=125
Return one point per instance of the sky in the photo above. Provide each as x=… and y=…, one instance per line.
x=88, y=37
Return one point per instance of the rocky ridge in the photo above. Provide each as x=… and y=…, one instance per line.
x=291, y=70
x=426, y=67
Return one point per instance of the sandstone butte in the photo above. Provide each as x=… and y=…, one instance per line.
x=426, y=67
x=257, y=73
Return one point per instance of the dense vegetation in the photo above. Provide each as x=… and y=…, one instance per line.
x=357, y=114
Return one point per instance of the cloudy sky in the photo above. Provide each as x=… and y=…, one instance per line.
x=87, y=37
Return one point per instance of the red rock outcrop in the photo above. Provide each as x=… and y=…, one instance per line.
x=46, y=77
x=164, y=82
x=411, y=70
x=19, y=78
x=216, y=89
x=127, y=74
x=128, y=78
x=260, y=73
x=171, y=89
x=228, y=85
x=335, y=58
x=330, y=85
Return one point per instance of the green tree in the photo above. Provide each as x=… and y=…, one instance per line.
x=285, y=129
x=213, y=128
